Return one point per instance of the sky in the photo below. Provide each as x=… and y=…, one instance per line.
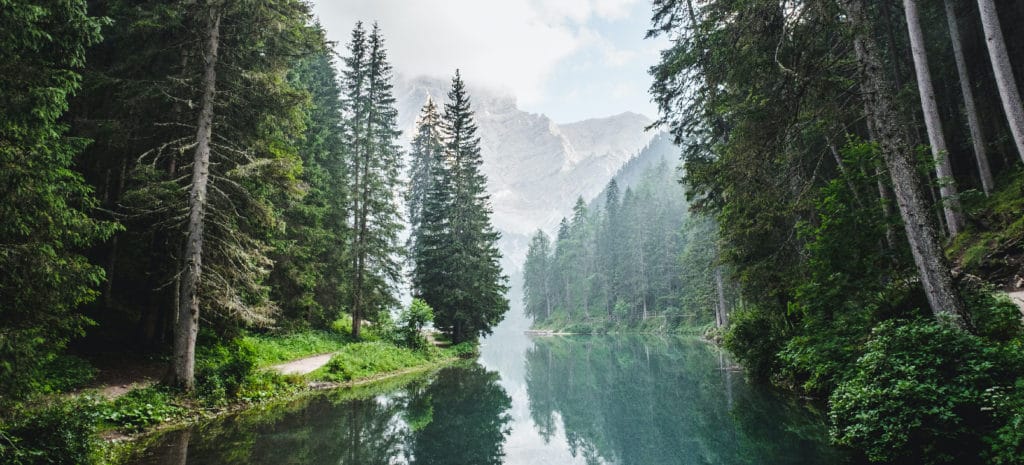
x=568, y=59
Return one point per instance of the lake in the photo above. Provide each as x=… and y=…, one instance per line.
x=642, y=400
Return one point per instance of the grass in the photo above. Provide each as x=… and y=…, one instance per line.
x=366, y=359
x=273, y=349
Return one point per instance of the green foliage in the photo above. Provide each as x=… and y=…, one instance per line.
x=997, y=228
x=1006, y=404
x=993, y=315
x=411, y=322
x=638, y=262
x=755, y=337
x=44, y=204
x=66, y=372
x=365, y=359
x=270, y=349
x=468, y=349
x=222, y=370
x=59, y=433
x=375, y=161
x=140, y=408
x=916, y=395
x=456, y=264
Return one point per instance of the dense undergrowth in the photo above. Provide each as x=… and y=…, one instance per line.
x=902, y=386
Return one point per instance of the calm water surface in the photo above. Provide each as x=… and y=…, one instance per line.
x=578, y=400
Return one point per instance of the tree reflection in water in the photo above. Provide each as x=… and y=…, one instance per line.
x=456, y=416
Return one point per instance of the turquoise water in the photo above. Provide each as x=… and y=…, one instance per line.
x=642, y=400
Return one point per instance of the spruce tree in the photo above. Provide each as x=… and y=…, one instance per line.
x=44, y=222
x=457, y=269
x=310, y=264
x=374, y=162
x=537, y=278
x=426, y=157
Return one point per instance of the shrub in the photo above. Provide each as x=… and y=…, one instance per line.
x=1006, y=443
x=221, y=370
x=755, y=338
x=411, y=323
x=915, y=395
x=467, y=349
x=56, y=434
x=140, y=408
x=67, y=372
x=993, y=315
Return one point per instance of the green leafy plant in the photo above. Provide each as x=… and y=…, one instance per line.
x=62, y=432
x=140, y=408
x=915, y=395
x=411, y=322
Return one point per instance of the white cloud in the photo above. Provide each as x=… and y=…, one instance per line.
x=510, y=44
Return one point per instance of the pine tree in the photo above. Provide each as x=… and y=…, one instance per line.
x=427, y=157
x=457, y=268
x=44, y=208
x=374, y=162
x=310, y=255
x=537, y=278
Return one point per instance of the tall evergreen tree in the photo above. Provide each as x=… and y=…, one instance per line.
x=537, y=298
x=374, y=162
x=427, y=157
x=457, y=268
x=310, y=255
x=44, y=205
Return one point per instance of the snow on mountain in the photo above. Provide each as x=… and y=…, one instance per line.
x=535, y=167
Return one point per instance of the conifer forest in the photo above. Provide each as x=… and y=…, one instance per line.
x=396, y=232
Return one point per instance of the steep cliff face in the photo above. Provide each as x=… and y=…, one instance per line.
x=535, y=167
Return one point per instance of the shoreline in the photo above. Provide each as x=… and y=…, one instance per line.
x=118, y=446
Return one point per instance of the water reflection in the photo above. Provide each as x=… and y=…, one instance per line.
x=593, y=400
x=644, y=400
x=456, y=416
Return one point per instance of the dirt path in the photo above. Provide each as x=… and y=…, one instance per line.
x=303, y=366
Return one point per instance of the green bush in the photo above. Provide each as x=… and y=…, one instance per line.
x=67, y=372
x=140, y=408
x=467, y=349
x=56, y=434
x=221, y=370
x=993, y=315
x=1006, y=443
x=916, y=394
x=411, y=323
x=755, y=338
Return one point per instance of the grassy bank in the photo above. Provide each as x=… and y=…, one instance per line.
x=85, y=427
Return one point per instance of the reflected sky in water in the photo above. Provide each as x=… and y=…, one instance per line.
x=575, y=400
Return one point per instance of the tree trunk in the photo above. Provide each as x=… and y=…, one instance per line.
x=936, y=138
x=188, y=307
x=977, y=139
x=899, y=158
x=1003, y=71
x=723, y=313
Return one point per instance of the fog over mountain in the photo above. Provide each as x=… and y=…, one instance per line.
x=536, y=168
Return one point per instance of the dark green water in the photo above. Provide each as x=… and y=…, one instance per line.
x=588, y=400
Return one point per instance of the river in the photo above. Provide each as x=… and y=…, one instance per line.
x=644, y=400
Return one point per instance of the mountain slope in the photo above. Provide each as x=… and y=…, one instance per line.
x=535, y=167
